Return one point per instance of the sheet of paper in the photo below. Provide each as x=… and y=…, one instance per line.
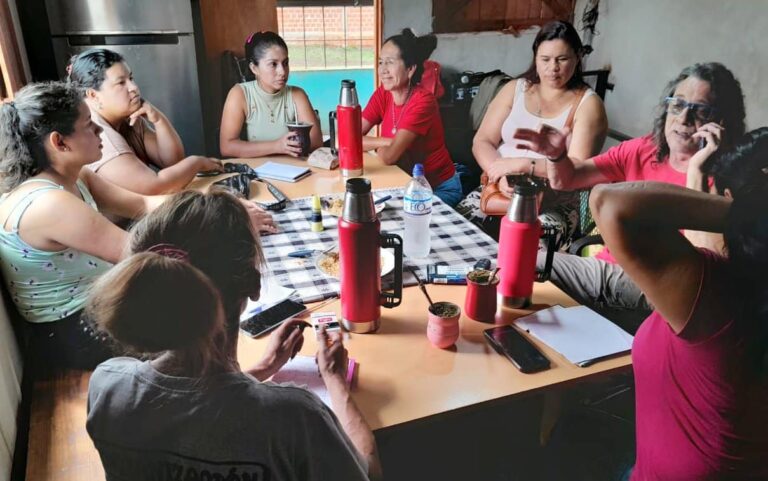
x=270, y=294
x=302, y=371
x=578, y=333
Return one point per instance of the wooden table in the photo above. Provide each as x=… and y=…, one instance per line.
x=401, y=379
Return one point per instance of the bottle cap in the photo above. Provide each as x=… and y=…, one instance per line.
x=525, y=189
x=418, y=169
x=358, y=185
x=347, y=83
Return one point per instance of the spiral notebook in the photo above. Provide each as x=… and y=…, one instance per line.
x=283, y=172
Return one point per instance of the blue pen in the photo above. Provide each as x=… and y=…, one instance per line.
x=302, y=253
x=382, y=199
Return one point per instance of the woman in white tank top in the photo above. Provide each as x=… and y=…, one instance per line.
x=551, y=91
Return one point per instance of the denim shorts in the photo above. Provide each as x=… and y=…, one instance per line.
x=450, y=190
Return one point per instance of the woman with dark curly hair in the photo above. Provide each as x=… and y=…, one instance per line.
x=701, y=111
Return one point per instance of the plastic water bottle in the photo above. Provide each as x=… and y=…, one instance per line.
x=417, y=212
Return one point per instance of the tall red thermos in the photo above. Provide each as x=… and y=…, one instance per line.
x=360, y=260
x=349, y=117
x=518, y=247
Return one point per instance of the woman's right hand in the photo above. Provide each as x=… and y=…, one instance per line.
x=208, y=164
x=332, y=357
x=261, y=220
x=548, y=141
x=288, y=144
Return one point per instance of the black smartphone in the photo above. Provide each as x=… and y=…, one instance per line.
x=506, y=340
x=266, y=320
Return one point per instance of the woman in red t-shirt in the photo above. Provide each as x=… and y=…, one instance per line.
x=411, y=128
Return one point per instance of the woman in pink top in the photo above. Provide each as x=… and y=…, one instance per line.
x=700, y=359
x=703, y=105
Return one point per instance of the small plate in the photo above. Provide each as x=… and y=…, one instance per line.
x=387, y=262
x=327, y=200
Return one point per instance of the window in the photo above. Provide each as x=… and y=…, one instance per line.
x=328, y=35
x=452, y=16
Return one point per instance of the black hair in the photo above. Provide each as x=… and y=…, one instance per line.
x=414, y=50
x=746, y=238
x=745, y=163
x=38, y=110
x=727, y=99
x=557, y=30
x=88, y=69
x=258, y=43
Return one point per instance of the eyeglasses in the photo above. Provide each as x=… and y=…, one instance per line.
x=701, y=112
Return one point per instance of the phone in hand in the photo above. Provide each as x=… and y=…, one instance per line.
x=702, y=142
x=507, y=341
x=266, y=320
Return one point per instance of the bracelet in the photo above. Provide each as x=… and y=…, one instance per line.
x=560, y=157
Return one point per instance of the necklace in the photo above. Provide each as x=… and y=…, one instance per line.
x=400, y=117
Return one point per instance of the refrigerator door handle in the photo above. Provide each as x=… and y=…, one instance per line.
x=123, y=39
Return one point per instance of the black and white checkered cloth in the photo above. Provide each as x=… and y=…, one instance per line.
x=454, y=241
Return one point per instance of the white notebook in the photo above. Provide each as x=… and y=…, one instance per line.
x=580, y=334
x=284, y=172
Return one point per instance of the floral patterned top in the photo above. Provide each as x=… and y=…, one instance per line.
x=45, y=286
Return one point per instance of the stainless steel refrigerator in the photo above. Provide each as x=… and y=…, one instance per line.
x=157, y=40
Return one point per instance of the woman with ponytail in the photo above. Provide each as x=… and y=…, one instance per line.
x=54, y=239
x=179, y=301
x=411, y=127
x=142, y=152
x=700, y=358
x=267, y=105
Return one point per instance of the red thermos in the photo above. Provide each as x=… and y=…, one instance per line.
x=349, y=117
x=360, y=261
x=518, y=246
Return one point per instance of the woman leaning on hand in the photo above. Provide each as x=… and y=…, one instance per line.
x=267, y=105
x=142, y=151
x=411, y=127
x=550, y=92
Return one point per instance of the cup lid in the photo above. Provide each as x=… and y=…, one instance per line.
x=348, y=83
x=358, y=185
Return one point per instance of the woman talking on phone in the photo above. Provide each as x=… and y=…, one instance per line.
x=141, y=150
x=700, y=112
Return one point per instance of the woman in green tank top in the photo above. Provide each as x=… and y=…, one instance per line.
x=266, y=105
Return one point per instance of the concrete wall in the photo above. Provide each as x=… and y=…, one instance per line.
x=647, y=43
x=462, y=51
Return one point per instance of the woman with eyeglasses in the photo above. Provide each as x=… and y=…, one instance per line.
x=411, y=127
x=701, y=111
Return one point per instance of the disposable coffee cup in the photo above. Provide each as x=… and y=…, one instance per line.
x=301, y=131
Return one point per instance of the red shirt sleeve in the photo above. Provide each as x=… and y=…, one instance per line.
x=374, y=111
x=419, y=114
x=613, y=162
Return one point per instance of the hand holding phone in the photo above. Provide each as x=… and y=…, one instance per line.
x=266, y=320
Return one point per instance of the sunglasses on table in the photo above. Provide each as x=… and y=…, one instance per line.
x=701, y=112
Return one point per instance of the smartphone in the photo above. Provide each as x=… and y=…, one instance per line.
x=266, y=320
x=507, y=341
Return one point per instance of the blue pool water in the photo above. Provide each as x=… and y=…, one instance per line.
x=322, y=87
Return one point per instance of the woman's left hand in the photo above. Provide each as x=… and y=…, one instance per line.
x=148, y=111
x=712, y=134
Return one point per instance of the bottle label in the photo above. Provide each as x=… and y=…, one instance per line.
x=417, y=205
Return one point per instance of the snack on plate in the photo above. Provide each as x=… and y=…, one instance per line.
x=329, y=264
x=335, y=206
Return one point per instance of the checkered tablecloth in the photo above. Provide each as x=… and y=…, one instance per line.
x=455, y=241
